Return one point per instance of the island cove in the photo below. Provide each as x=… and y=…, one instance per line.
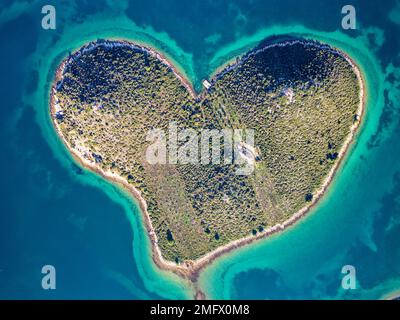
x=304, y=100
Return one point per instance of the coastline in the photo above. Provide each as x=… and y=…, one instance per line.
x=191, y=269
x=395, y=295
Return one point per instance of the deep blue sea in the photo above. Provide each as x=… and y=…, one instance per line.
x=53, y=212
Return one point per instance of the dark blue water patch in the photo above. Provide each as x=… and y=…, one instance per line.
x=380, y=261
x=269, y=284
x=87, y=8
x=391, y=109
x=77, y=169
x=18, y=44
x=31, y=81
x=7, y=3
x=195, y=21
x=385, y=121
x=260, y=284
x=48, y=218
x=376, y=14
x=327, y=284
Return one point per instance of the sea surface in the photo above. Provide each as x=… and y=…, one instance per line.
x=53, y=212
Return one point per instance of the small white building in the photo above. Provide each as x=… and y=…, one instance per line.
x=206, y=84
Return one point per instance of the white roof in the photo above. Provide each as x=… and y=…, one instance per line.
x=206, y=84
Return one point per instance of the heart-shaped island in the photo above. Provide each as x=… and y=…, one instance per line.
x=246, y=157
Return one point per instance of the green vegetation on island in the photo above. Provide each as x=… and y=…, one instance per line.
x=300, y=97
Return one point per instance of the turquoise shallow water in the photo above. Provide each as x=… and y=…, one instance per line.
x=53, y=212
